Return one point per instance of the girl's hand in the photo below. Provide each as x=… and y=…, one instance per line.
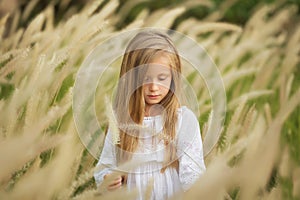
x=114, y=184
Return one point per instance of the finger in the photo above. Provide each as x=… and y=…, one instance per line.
x=117, y=181
x=113, y=187
x=106, y=176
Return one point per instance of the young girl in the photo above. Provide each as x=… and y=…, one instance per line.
x=155, y=131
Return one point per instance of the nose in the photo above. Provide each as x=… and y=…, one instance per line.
x=153, y=86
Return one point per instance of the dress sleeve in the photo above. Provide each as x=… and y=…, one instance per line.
x=189, y=150
x=107, y=161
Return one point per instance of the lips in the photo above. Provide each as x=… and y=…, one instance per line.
x=153, y=96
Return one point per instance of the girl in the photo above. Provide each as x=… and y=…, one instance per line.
x=154, y=130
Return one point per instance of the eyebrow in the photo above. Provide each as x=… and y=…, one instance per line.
x=164, y=74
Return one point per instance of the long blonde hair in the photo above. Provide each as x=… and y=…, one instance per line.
x=141, y=49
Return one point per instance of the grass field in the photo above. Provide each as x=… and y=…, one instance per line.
x=258, y=153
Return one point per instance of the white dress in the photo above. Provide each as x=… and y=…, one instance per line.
x=150, y=152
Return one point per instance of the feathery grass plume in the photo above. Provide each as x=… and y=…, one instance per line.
x=249, y=119
x=268, y=113
x=231, y=77
x=108, y=9
x=34, y=28
x=269, y=155
x=213, y=182
x=15, y=20
x=289, y=86
x=233, y=127
x=194, y=28
x=166, y=18
x=60, y=166
x=60, y=82
x=249, y=96
x=28, y=9
x=257, y=19
x=120, y=194
x=29, y=146
x=287, y=108
x=65, y=164
x=12, y=111
x=49, y=15
x=214, y=26
x=127, y=7
x=282, y=91
x=137, y=23
x=285, y=164
x=249, y=185
x=93, y=23
x=272, y=25
x=113, y=124
x=55, y=112
x=224, y=177
x=262, y=162
x=15, y=39
x=123, y=169
x=2, y=25
x=82, y=178
x=149, y=189
x=6, y=57
x=273, y=195
x=207, y=124
x=9, y=65
x=35, y=165
x=31, y=110
x=89, y=10
x=266, y=71
x=204, y=129
x=219, y=13
x=296, y=182
x=88, y=194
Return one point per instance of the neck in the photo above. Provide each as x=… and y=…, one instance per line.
x=152, y=110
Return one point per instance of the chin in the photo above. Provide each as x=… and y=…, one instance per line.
x=153, y=102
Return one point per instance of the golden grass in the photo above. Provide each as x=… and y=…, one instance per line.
x=41, y=155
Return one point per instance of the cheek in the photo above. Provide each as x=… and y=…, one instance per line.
x=145, y=88
x=166, y=83
x=165, y=86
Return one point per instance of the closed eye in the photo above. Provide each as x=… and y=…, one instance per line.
x=163, y=77
x=147, y=79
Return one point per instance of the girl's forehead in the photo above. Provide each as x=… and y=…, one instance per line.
x=161, y=59
x=159, y=63
x=157, y=68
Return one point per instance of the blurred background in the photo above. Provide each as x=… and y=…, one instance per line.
x=234, y=11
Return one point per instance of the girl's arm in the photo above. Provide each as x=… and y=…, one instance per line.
x=107, y=161
x=190, y=150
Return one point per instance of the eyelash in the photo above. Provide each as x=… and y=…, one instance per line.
x=159, y=78
x=162, y=79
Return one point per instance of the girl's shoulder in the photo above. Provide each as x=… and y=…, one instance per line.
x=187, y=125
x=186, y=113
x=186, y=117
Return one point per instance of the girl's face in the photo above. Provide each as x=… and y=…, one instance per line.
x=157, y=80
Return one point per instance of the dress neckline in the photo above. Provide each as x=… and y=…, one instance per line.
x=152, y=117
x=159, y=116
